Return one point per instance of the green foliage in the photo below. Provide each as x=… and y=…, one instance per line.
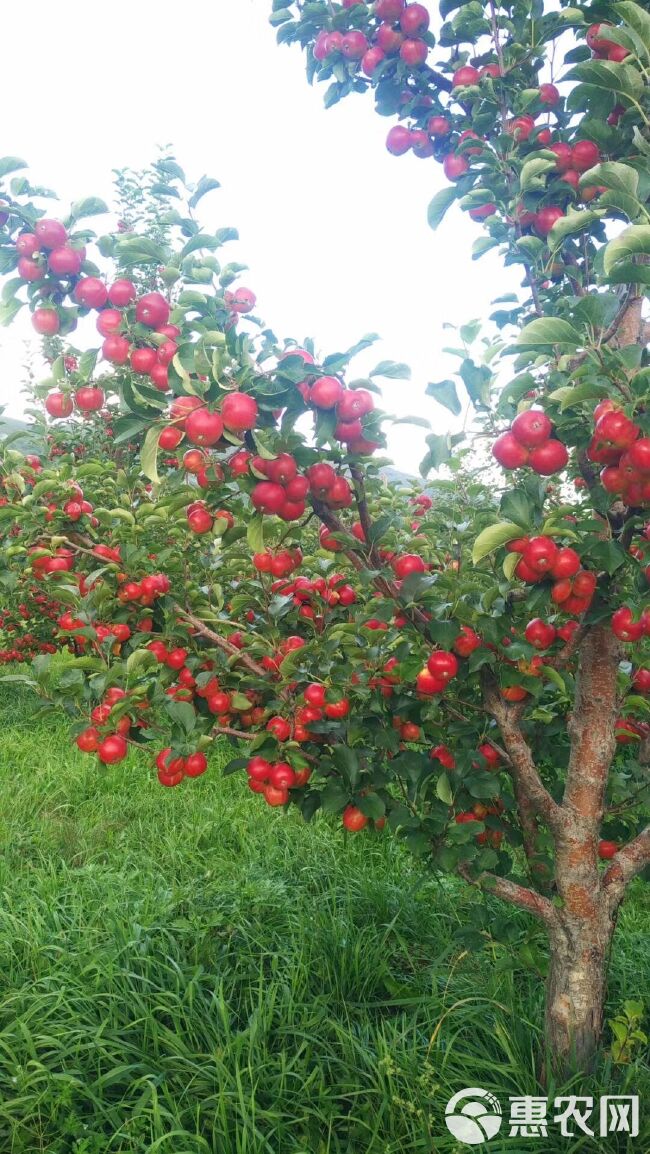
x=194, y=944
x=415, y=619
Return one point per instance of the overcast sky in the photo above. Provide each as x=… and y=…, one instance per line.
x=334, y=254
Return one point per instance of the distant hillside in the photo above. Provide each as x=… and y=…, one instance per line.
x=27, y=444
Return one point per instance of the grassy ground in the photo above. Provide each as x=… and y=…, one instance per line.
x=184, y=971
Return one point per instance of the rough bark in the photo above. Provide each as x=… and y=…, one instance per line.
x=575, y=991
x=580, y=922
x=581, y=936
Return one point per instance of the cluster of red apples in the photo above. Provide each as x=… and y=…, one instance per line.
x=618, y=445
x=542, y=558
x=530, y=441
x=398, y=31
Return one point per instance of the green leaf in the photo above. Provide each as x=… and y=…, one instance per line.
x=620, y=78
x=280, y=16
x=170, y=168
x=192, y=298
x=493, y=538
x=347, y=763
x=225, y=234
x=439, y=205
x=126, y=428
x=233, y=765
x=372, y=806
x=634, y=241
x=439, y=452
x=162, y=191
x=137, y=659
x=183, y=714
x=570, y=395
x=575, y=221
x=551, y=674
x=612, y=174
x=444, y=392
x=545, y=332
x=206, y=184
x=133, y=250
x=477, y=379
x=149, y=454
x=240, y=701
x=637, y=19
x=263, y=450
x=9, y=310
x=87, y=363
x=517, y=506
x=443, y=789
x=255, y=533
x=337, y=361
x=626, y=205
x=483, y=244
x=201, y=240
x=393, y=370
x=532, y=172
x=91, y=206
x=334, y=797
x=10, y=164
x=509, y=565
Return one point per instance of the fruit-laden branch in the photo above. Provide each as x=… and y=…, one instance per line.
x=569, y=649
x=221, y=642
x=627, y=864
x=513, y=893
x=388, y=588
x=592, y=726
x=522, y=767
x=529, y=828
x=332, y=522
x=525, y=809
x=228, y=731
x=364, y=512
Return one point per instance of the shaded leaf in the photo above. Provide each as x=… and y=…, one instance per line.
x=149, y=454
x=255, y=533
x=444, y=392
x=549, y=331
x=441, y=202
x=493, y=537
x=393, y=370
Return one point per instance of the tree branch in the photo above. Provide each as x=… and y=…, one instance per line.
x=222, y=644
x=228, y=731
x=525, y=899
x=364, y=512
x=522, y=767
x=529, y=829
x=627, y=864
x=388, y=588
x=569, y=650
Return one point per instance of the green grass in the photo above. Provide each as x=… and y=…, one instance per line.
x=184, y=971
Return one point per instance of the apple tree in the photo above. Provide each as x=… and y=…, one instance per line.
x=234, y=562
x=538, y=115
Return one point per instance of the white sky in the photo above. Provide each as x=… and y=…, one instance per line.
x=334, y=254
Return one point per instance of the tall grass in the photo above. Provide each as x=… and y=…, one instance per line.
x=184, y=971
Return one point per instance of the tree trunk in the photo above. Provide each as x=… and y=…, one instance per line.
x=575, y=991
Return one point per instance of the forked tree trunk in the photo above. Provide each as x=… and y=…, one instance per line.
x=575, y=991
